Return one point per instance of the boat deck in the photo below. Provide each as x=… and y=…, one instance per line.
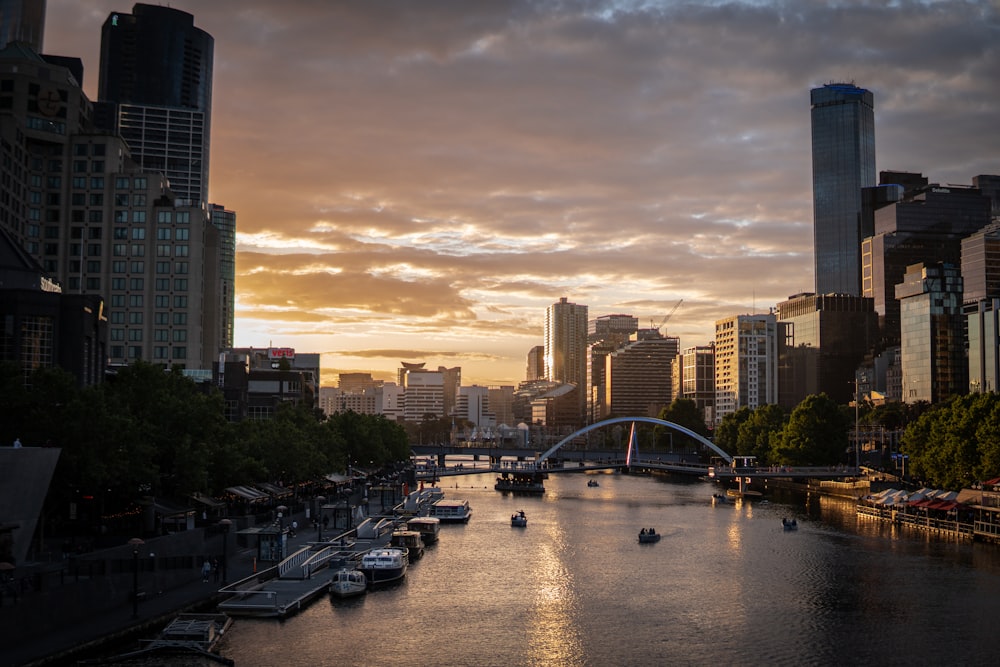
x=278, y=597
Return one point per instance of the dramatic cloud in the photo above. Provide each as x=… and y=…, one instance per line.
x=430, y=176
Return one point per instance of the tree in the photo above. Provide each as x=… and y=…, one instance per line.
x=759, y=432
x=683, y=412
x=816, y=434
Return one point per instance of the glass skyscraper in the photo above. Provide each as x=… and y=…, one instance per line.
x=843, y=159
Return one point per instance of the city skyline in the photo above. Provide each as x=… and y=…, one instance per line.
x=421, y=183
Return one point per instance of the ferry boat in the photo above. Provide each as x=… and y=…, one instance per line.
x=348, y=582
x=521, y=482
x=429, y=528
x=452, y=511
x=384, y=565
x=409, y=540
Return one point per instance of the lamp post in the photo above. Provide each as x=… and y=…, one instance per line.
x=857, y=444
x=136, y=543
x=319, y=517
x=225, y=524
x=281, y=531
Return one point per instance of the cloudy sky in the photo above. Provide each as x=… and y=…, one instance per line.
x=418, y=180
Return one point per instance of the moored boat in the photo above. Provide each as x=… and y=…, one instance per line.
x=429, y=528
x=648, y=536
x=348, y=582
x=451, y=511
x=518, y=519
x=520, y=482
x=409, y=540
x=383, y=565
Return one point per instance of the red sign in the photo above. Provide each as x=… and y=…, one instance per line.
x=281, y=353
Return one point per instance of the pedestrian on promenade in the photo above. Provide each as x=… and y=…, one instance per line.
x=206, y=569
x=215, y=570
x=17, y=443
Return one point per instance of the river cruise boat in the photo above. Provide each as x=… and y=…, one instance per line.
x=409, y=540
x=348, y=582
x=384, y=565
x=521, y=482
x=452, y=511
x=429, y=528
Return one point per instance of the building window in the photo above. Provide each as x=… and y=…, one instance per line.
x=163, y=234
x=135, y=317
x=136, y=284
x=135, y=352
x=180, y=284
x=183, y=234
x=162, y=284
x=164, y=216
x=138, y=233
x=135, y=335
x=180, y=335
x=180, y=319
x=137, y=267
x=135, y=301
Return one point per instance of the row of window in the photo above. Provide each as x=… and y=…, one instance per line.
x=159, y=318
x=135, y=352
x=159, y=335
x=161, y=300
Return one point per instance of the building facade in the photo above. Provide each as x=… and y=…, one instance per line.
x=932, y=357
x=638, y=378
x=843, y=162
x=697, y=378
x=746, y=363
x=566, y=348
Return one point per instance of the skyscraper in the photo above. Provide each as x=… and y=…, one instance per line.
x=566, y=347
x=843, y=162
x=156, y=87
x=22, y=21
x=747, y=351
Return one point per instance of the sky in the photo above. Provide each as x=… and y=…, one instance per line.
x=420, y=180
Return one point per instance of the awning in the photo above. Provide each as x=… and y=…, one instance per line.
x=274, y=490
x=208, y=500
x=338, y=479
x=247, y=493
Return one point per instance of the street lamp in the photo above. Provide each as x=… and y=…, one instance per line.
x=281, y=531
x=319, y=517
x=136, y=543
x=225, y=524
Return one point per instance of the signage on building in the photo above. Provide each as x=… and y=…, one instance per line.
x=281, y=353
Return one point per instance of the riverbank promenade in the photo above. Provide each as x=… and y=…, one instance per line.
x=81, y=636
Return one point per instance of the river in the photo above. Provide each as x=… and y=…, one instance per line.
x=724, y=586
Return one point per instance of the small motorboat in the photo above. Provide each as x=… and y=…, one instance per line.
x=348, y=583
x=719, y=498
x=648, y=536
x=518, y=519
x=789, y=524
x=593, y=482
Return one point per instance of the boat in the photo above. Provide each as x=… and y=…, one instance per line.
x=451, y=511
x=521, y=482
x=384, y=565
x=719, y=498
x=518, y=519
x=648, y=536
x=409, y=540
x=789, y=524
x=593, y=482
x=348, y=582
x=429, y=528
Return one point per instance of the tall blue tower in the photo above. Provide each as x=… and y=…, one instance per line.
x=843, y=162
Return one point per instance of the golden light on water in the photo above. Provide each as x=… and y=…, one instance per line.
x=553, y=637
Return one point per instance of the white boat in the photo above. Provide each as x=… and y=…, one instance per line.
x=409, y=540
x=348, y=583
x=452, y=511
x=648, y=536
x=518, y=519
x=593, y=482
x=385, y=564
x=429, y=528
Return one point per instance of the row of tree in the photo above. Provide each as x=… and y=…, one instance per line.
x=154, y=432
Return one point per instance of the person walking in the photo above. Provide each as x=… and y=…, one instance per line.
x=206, y=569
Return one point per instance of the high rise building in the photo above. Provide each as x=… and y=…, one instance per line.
x=826, y=337
x=932, y=343
x=926, y=225
x=536, y=364
x=566, y=348
x=22, y=21
x=605, y=335
x=697, y=378
x=156, y=83
x=981, y=305
x=746, y=362
x=843, y=162
x=638, y=375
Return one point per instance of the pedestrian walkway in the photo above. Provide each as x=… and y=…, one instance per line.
x=82, y=637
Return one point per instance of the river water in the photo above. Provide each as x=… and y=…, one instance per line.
x=724, y=586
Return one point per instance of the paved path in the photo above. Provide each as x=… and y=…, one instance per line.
x=75, y=638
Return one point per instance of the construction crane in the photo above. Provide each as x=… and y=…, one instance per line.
x=673, y=310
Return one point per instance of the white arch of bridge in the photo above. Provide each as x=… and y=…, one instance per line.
x=625, y=420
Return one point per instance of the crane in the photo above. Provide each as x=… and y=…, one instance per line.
x=663, y=322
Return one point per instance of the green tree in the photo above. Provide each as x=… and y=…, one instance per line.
x=816, y=434
x=758, y=433
x=727, y=432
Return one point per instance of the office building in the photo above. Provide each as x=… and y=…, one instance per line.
x=697, y=379
x=826, y=337
x=638, y=375
x=256, y=381
x=927, y=225
x=156, y=83
x=22, y=21
x=423, y=394
x=474, y=408
x=932, y=357
x=566, y=349
x=746, y=362
x=981, y=305
x=843, y=162
x=536, y=364
x=605, y=334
